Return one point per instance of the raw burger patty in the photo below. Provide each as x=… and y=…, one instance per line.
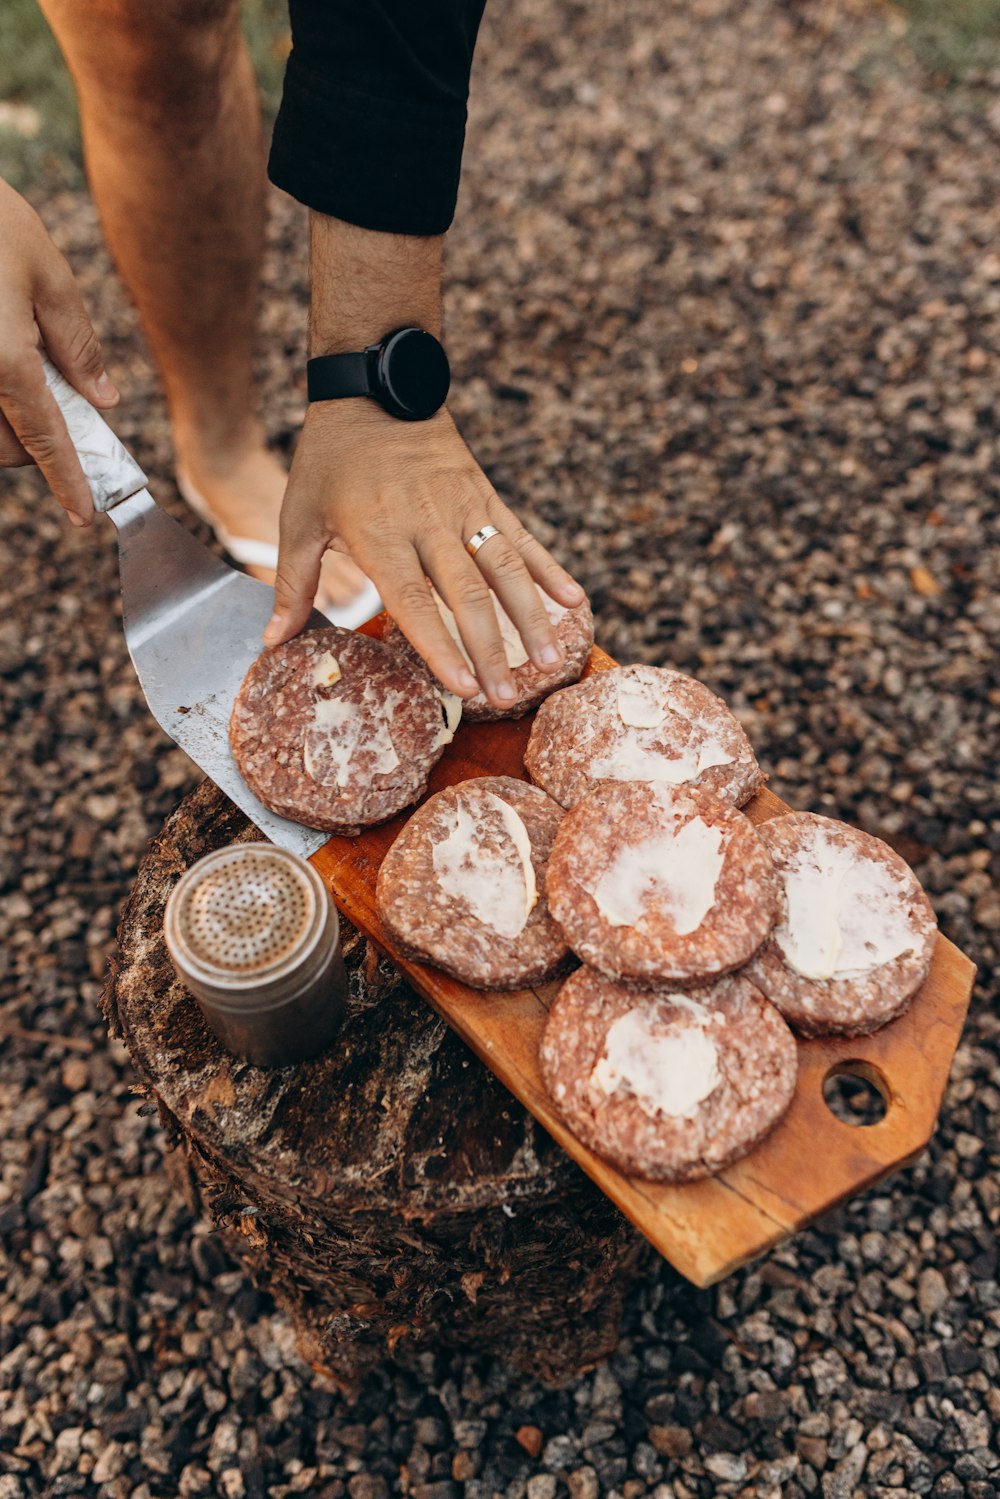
x=334, y=730
x=855, y=933
x=640, y=723
x=455, y=887
x=651, y=882
x=574, y=629
x=666, y=1085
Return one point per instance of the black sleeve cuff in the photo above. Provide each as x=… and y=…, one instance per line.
x=342, y=156
x=372, y=120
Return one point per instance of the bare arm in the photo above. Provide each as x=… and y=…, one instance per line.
x=403, y=498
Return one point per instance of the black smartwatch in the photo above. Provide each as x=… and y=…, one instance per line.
x=407, y=373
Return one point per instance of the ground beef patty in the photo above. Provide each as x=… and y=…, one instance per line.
x=336, y=731
x=855, y=933
x=640, y=723
x=464, y=884
x=665, y=1085
x=574, y=629
x=654, y=882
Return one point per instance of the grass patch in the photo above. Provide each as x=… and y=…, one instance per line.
x=39, y=126
x=956, y=40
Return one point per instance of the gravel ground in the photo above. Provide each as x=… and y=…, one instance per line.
x=725, y=311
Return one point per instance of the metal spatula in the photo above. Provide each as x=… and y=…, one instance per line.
x=193, y=625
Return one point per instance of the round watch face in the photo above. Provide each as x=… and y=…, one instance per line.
x=413, y=374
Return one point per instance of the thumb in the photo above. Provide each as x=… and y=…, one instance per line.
x=295, y=585
x=70, y=339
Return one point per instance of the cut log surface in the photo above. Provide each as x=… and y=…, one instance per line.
x=389, y=1191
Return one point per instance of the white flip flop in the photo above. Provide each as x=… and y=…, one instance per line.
x=251, y=553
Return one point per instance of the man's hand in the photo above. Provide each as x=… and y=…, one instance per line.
x=38, y=294
x=403, y=498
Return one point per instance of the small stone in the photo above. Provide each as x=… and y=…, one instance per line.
x=110, y=1463
x=731, y=1467
x=671, y=1441
x=769, y=1407
x=232, y=1484
x=961, y=1357
x=841, y=1483
x=813, y=1450
x=970, y=1467
x=530, y=1438
x=542, y=1486
x=583, y=1484
x=368, y=1486
x=659, y=1408
x=645, y=1460
x=596, y=1432
x=559, y=1453
x=194, y=1480
x=469, y=1434
x=428, y=1431
x=716, y=1434
x=75, y=1077
x=464, y=1465
x=932, y=1365
x=932, y=1291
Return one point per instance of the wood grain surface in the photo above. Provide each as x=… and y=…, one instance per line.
x=808, y=1164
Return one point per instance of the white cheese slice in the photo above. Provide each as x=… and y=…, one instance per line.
x=327, y=670
x=640, y=700
x=333, y=741
x=451, y=712
x=667, y=1070
x=493, y=877
x=676, y=870
x=846, y=914
x=632, y=760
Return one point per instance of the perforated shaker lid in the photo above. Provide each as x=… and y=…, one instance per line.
x=243, y=917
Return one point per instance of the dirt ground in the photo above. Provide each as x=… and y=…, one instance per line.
x=724, y=312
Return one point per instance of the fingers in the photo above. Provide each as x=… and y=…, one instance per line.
x=499, y=566
x=399, y=576
x=466, y=593
x=12, y=454
x=540, y=564
x=70, y=338
x=38, y=294
x=37, y=424
x=300, y=554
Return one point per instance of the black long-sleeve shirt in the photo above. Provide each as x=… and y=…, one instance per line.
x=372, y=118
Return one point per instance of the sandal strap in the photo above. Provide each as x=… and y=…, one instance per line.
x=251, y=553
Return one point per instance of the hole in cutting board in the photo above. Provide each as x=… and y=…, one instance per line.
x=857, y=1093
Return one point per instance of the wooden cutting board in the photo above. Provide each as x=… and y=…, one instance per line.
x=808, y=1164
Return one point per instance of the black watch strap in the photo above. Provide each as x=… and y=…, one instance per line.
x=406, y=373
x=331, y=376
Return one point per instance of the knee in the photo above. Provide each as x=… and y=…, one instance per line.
x=160, y=52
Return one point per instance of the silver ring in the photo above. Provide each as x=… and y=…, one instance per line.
x=482, y=535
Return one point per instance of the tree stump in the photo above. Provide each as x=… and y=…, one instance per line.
x=389, y=1193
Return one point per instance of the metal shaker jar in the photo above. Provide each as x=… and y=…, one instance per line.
x=254, y=935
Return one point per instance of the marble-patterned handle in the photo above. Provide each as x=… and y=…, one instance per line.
x=112, y=473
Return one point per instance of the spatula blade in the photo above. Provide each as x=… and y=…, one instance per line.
x=193, y=627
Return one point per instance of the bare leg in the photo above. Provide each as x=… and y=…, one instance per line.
x=171, y=128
